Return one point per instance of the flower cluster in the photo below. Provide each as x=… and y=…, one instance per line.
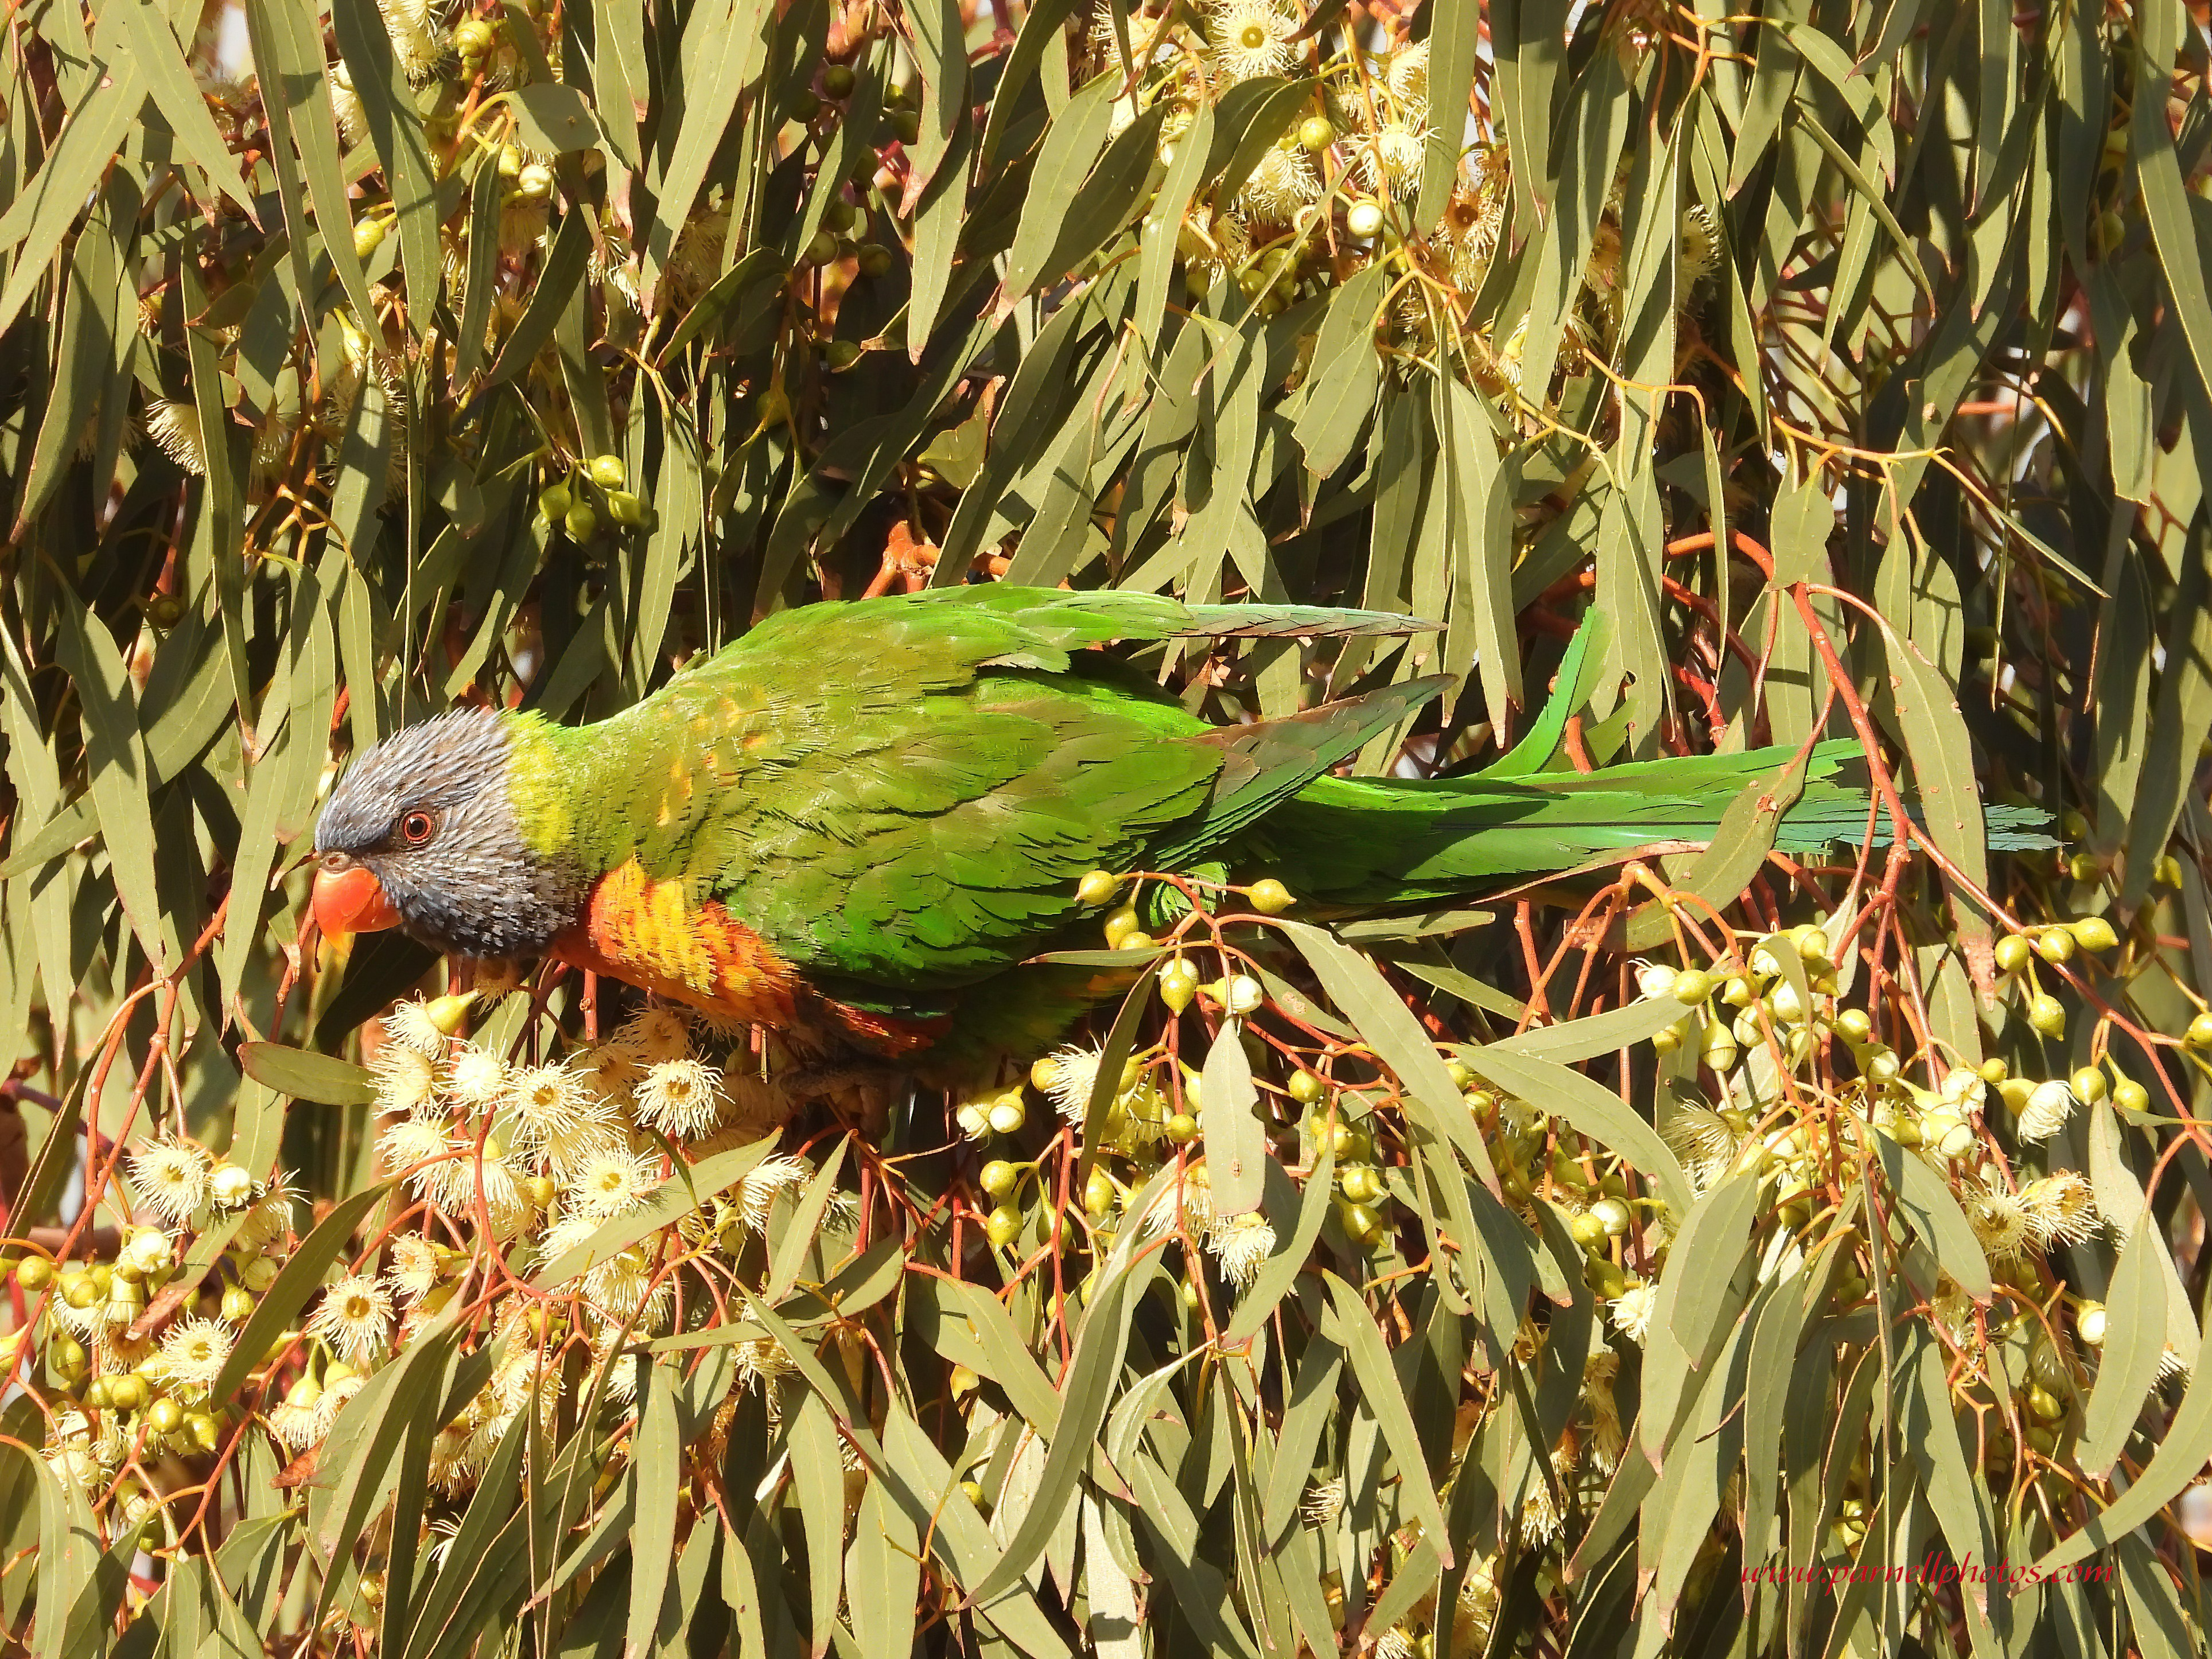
x=496, y=1163
x=1339, y=189
x=548, y=1154
x=132, y=1346
x=1152, y=1118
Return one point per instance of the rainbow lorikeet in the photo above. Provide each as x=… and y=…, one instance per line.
x=858, y=823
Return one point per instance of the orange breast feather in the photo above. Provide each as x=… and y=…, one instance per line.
x=648, y=934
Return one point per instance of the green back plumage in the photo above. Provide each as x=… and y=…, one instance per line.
x=905, y=793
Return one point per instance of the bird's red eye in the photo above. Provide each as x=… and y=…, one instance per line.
x=417, y=828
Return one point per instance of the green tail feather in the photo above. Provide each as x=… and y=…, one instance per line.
x=1375, y=841
x=1369, y=841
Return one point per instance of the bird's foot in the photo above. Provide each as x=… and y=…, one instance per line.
x=859, y=1094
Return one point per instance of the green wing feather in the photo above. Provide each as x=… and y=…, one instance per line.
x=905, y=793
x=1270, y=762
x=966, y=630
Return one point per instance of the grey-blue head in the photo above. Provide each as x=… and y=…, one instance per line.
x=421, y=835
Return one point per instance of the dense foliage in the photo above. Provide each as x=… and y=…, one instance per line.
x=1711, y=1251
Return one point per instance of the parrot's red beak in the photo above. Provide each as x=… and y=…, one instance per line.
x=351, y=900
